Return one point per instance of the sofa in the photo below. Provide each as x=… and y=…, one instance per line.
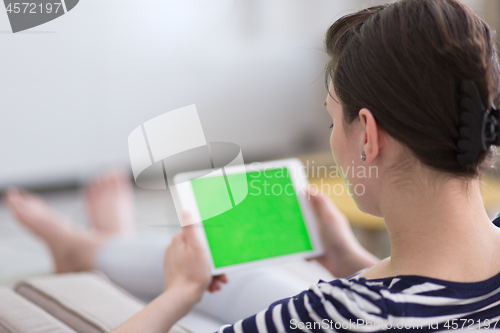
x=67, y=303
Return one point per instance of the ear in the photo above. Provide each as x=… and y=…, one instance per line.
x=371, y=137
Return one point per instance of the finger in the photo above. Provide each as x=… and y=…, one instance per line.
x=316, y=195
x=222, y=278
x=312, y=191
x=325, y=206
x=315, y=258
x=214, y=286
x=217, y=279
x=319, y=202
x=190, y=233
x=187, y=222
x=191, y=238
x=186, y=218
x=177, y=239
x=213, y=289
x=175, y=246
x=312, y=196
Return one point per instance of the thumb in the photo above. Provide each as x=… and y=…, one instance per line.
x=189, y=230
x=190, y=233
x=186, y=218
x=323, y=206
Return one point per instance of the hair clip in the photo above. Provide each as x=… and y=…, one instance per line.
x=491, y=128
x=479, y=128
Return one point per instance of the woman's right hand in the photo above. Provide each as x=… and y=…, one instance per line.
x=344, y=255
x=186, y=263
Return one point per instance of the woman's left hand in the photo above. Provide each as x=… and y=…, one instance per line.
x=186, y=264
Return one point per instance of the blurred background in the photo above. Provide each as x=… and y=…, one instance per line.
x=74, y=88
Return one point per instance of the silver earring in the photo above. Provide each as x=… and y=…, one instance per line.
x=363, y=156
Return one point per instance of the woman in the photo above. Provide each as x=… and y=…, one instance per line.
x=409, y=86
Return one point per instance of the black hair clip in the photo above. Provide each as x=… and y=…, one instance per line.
x=479, y=128
x=491, y=128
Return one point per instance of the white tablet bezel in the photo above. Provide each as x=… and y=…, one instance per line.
x=186, y=198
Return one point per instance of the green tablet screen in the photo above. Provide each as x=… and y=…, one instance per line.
x=266, y=224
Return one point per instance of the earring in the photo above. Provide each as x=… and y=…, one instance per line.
x=363, y=156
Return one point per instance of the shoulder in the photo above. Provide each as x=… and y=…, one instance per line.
x=377, y=299
x=350, y=299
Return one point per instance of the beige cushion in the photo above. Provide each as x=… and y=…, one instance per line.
x=86, y=302
x=17, y=315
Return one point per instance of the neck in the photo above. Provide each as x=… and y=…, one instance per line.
x=439, y=228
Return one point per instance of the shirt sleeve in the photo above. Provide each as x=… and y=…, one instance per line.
x=323, y=306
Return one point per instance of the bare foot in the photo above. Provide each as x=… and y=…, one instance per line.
x=110, y=204
x=72, y=249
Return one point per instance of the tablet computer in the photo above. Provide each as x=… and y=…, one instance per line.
x=273, y=222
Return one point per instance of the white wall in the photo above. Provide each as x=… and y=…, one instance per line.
x=73, y=89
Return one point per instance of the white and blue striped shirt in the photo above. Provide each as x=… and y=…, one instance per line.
x=402, y=303
x=406, y=303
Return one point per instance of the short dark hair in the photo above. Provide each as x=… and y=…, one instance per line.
x=405, y=62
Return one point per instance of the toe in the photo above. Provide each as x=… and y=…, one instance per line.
x=13, y=198
x=28, y=196
x=114, y=181
x=90, y=191
x=109, y=182
x=125, y=181
x=10, y=194
x=122, y=176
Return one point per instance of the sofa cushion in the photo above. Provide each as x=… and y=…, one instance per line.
x=86, y=302
x=17, y=315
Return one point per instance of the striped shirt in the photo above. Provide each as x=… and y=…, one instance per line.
x=402, y=303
